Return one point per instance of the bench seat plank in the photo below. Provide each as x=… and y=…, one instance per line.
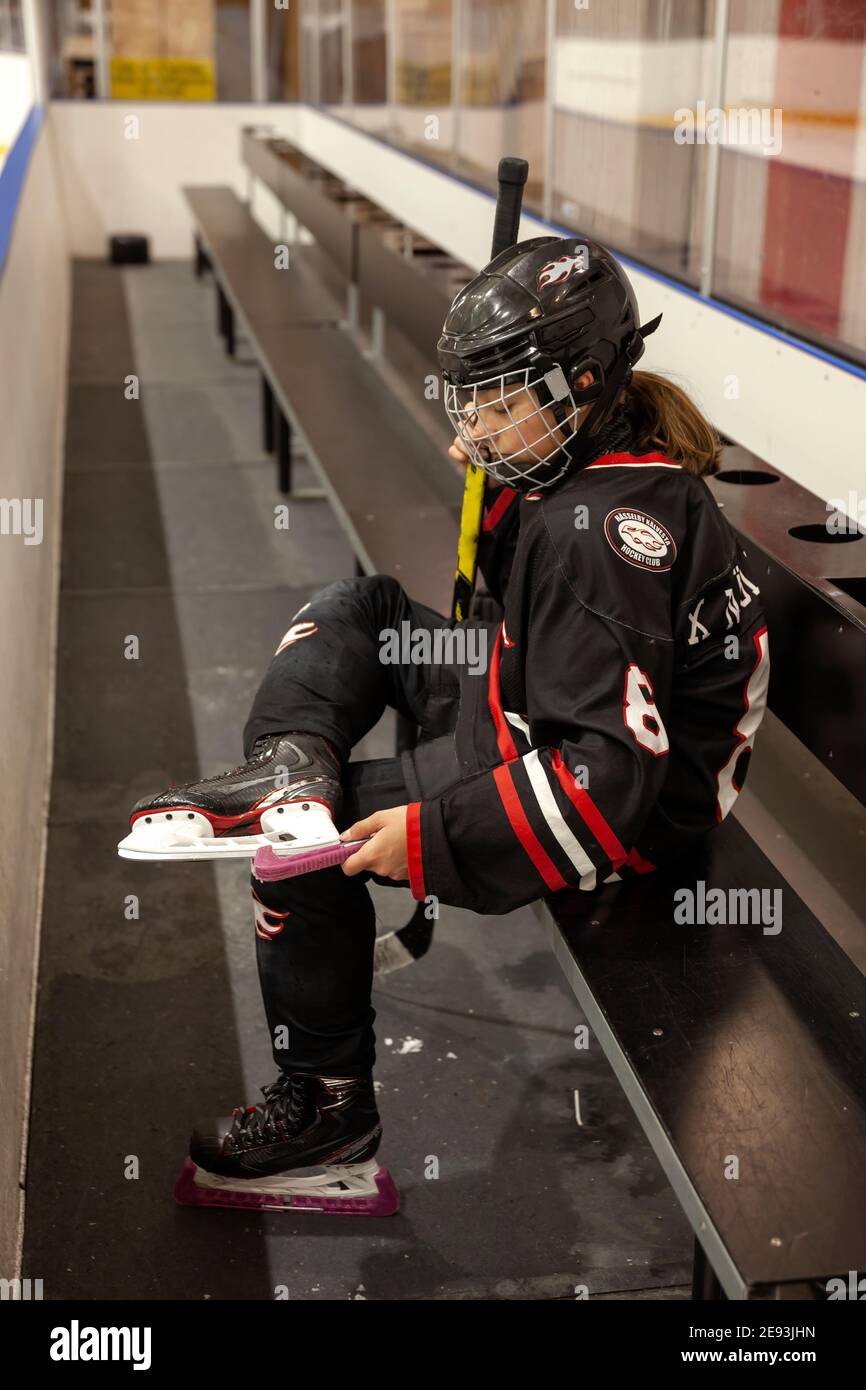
x=243, y=260
x=396, y=495
x=761, y=1055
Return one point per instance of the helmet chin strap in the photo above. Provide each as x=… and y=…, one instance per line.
x=579, y=446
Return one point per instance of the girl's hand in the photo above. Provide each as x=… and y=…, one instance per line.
x=459, y=452
x=386, y=852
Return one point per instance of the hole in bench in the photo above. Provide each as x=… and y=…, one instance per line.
x=854, y=588
x=817, y=531
x=752, y=476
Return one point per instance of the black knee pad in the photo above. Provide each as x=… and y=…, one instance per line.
x=360, y=589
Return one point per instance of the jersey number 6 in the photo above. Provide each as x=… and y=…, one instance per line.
x=640, y=713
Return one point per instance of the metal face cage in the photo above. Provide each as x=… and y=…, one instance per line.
x=496, y=405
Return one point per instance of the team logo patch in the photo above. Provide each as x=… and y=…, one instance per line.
x=640, y=539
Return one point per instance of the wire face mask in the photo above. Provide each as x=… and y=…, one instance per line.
x=488, y=406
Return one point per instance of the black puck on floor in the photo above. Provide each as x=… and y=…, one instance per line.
x=128, y=248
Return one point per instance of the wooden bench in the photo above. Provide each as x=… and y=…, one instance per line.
x=404, y=281
x=242, y=258
x=394, y=494
x=250, y=288
x=390, y=487
x=330, y=211
x=739, y=1047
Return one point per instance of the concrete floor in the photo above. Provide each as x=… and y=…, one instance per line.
x=149, y=1013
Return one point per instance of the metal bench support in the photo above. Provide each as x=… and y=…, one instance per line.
x=226, y=321
x=284, y=453
x=705, y=1286
x=200, y=261
x=267, y=416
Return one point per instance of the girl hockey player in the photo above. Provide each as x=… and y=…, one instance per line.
x=611, y=730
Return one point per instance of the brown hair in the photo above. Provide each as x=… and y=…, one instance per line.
x=672, y=424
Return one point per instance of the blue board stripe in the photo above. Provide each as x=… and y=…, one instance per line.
x=13, y=174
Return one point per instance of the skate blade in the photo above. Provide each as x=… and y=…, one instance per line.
x=184, y=833
x=138, y=846
x=271, y=863
x=358, y=1189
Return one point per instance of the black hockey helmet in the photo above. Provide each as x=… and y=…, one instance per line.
x=538, y=317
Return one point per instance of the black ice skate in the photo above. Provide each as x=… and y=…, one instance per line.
x=285, y=796
x=311, y=1145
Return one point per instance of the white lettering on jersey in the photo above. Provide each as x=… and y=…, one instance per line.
x=697, y=626
x=732, y=611
x=744, y=583
x=755, y=700
x=735, y=606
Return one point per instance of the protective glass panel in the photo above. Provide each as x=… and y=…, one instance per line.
x=422, y=117
x=500, y=89
x=791, y=227
x=173, y=50
x=283, y=63
x=622, y=71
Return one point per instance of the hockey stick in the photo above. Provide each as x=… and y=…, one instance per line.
x=509, y=203
x=409, y=943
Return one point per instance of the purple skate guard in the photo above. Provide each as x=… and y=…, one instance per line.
x=269, y=866
x=364, y=1190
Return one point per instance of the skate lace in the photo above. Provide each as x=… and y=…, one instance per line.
x=282, y=1114
x=255, y=759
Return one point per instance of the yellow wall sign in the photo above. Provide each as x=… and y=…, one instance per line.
x=162, y=79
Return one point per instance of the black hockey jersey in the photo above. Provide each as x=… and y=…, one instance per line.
x=623, y=690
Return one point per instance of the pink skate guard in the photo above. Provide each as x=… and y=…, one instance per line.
x=375, y=1192
x=268, y=866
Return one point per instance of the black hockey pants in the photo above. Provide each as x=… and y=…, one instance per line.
x=315, y=933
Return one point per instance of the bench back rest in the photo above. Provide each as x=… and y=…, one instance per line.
x=292, y=179
x=812, y=574
x=412, y=291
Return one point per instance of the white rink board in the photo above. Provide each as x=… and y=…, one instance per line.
x=796, y=411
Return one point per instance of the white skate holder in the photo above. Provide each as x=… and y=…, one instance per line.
x=294, y=827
